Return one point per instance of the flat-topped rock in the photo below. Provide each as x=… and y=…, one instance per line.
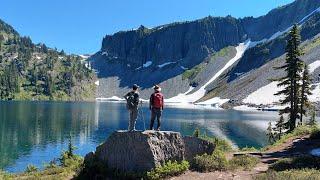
x=142, y=151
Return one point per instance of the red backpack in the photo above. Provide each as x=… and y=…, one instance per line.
x=157, y=100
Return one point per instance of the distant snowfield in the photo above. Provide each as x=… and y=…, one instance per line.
x=165, y=64
x=187, y=98
x=265, y=95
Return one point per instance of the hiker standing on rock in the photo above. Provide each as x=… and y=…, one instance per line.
x=132, y=99
x=156, y=106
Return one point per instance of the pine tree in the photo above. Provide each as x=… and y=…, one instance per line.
x=270, y=133
x=305, y=91
x=280, y=127
x=291, y=82
x=312, y=120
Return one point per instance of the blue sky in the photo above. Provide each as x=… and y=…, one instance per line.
x=78, y=26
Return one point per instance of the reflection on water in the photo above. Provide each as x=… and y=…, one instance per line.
x=36, y=132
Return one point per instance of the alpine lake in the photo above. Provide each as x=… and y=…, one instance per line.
x=37, y=132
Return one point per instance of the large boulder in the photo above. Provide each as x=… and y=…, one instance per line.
x=142, y=151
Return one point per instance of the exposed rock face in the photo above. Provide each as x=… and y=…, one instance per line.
x=172, y=49
x=142, y=151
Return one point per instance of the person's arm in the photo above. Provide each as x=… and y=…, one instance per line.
x=162, y=102
x=126, y=96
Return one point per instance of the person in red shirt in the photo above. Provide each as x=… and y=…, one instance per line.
x=156, y=106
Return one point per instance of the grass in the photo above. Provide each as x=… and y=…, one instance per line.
x=299, y=162
x=192, y=73
x=309, y=46
x=70, y=165
x=303, y=174
x=216, y=161
x=298, y=132
x=244, y=162
x=169, y=169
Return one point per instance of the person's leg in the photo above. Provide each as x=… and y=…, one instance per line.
x=153, y=117
x=130, y=127
x=159, y=114
x=134, y=119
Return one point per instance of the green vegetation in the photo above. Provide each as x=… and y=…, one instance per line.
x=196, y=133
x=217, y=161
x=298, y=162
x=245, y=162
x=310, y=45
x=221, y=144
x=31, y=168
x=290, y=82
x=35, y=72
x=192, y=73
x=298, y=132
x=169, y=169
x=300, y=167
x=70, y=165
x=304, y=174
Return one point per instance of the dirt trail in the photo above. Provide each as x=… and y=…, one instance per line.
x=292, y=147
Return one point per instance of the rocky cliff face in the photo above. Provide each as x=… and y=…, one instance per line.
x=163, y=54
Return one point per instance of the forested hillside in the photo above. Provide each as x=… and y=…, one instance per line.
x=31, y=71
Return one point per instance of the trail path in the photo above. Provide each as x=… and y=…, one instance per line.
x=292, y=147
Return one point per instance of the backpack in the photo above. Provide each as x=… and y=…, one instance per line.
x=131, y=100
x=157, y=100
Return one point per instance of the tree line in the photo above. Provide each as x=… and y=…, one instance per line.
x=36, y=70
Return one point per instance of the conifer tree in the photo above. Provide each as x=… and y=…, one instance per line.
x=291, y=81
x=270, y=133
x=312, y=120
x=280, y=127
x=305, y=91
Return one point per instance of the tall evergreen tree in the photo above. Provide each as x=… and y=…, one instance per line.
x=270, y=133
x=305, y=91
x=312, y=120
x=291, y=82
x=280, y=127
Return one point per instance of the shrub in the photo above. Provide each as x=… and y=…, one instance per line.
x=298, y=132
x=196, y=132
x=299, y=162
x=209, y=163
x=245, y=162
x=304, y=174
x=4, y=175
x=31, y=168
x=72, y=162
x=221, y=144
x=249, y=149
x=169, y=169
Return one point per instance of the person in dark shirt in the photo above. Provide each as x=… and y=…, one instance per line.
x=132, y=99
x=156, y=106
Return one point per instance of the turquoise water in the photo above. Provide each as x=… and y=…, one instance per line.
x=37, y=132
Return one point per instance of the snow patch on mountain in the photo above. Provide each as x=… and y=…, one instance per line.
x=147, y=64
x=265, y=95
x=186, y=98
x=165, y=64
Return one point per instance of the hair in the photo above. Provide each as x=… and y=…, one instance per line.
x=134, y=87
